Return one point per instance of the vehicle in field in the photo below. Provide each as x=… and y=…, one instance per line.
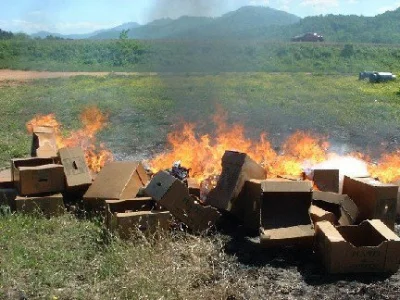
x=374, y=76
x=308, y=37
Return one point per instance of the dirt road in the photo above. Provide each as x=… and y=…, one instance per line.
x=16, y=75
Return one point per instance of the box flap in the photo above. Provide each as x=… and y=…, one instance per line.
x=122, y=206
x=44, y=142
x=329, y=197
x=76, y=171
x=159, y=185
x=330, y=231
x=286, y=186
x=349, y=212
x=114, y=179
x=384, y=230
x=318, y=214
x=234, y=158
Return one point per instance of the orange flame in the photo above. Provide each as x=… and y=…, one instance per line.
x=93, y=120
x=202, y=154
x=388, y=168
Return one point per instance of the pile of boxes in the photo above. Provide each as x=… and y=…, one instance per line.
x=350, y=231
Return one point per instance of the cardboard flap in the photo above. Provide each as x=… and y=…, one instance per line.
x=234, y=158
x=330, y=231
x=159, y=185
x=384, y=230
x=121, y=206
x=76, y=171
x=286, y=186
x=349, y=212
x=328, y=197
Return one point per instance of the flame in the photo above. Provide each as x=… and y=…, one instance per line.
x=93, y=120
x=202, y=154
x=388, y=168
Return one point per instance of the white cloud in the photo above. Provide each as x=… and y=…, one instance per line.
x=259, y=2
x=320, y=3
x=17, y=25
x=394, y=6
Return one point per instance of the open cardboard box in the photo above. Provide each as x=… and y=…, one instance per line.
x=237, y=168
x=48, y=205
x=368, y=247
x=172, y=194
x=123, y=217
x=117, y=180
x=285, y=220
x=374, y=199
x=39, y=179
x=44, y=142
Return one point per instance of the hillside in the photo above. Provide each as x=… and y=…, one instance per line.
x=244, y=19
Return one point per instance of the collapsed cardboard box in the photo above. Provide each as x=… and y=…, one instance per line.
x=374, y=199
x=49, y=206
x=40, y=179
x=237, y=168
x=123, y=217
x=318, y=214
x=368, y=247
x=172, y=194
x=341, y=206
x=44, y=142
x=285, y=220
x=326, y=180
x=77, y=174
x=117, y=180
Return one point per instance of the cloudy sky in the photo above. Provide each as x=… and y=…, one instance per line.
x=81, y=16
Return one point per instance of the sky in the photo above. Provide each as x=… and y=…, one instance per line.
x=83, y=16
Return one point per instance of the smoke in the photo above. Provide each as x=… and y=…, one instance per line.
x=176, y=8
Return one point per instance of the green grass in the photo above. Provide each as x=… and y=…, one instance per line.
x=143, y=109
x=67, y=258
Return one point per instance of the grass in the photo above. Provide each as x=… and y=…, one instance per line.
x=68, y=258
x=143, y=109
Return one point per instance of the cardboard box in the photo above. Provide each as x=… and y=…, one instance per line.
x=368, y=247
x=344, y=209
x=237, y=168
x=172, y=194
x=49, y=206
x=27, y=162
x=247, y=207
x=40, y=179
x=44, y=142
x=6, y=181
x=318, y=214
x=117, y=180
x=374, y=199
x=326, y=180
x=77, y=174
x=285, y=220
x=194, y=187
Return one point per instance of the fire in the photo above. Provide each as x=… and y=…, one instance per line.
x=388, y=168
x=202, y=154
x=93, y=120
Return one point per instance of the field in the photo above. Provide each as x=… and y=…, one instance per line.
x=69, y=258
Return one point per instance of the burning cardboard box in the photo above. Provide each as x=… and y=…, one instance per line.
x=285, y=220
x=44, y=142
x=39, y=178
x=368, y=247
x=326, y=180
x=374, y=199
x=117, y=180
x=49, y=206
x=123, y=217
x=344, y=210
x=77, y=174
x=237, y=168
x=172, y=194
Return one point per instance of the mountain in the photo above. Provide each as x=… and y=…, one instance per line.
x=117, y=29
x=244, y=19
